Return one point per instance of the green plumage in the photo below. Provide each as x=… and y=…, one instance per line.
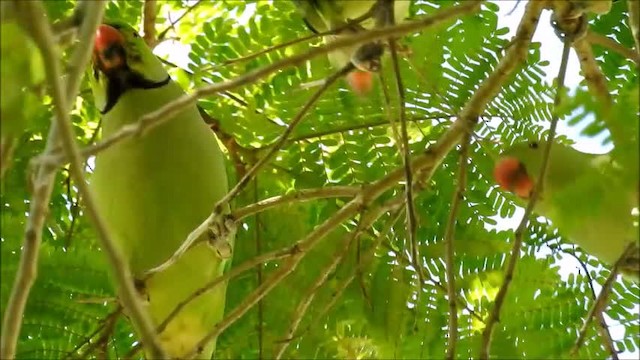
x=154, y=190
x=586, y=198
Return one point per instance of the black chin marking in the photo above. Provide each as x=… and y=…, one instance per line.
x=309, y=26
x=121, y=80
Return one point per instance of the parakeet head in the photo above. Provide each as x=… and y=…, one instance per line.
x=122, y=62
x=518, y=167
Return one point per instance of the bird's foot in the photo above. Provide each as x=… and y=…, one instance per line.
x=404, y=50
x=367, y=57
x=141, y=289
x=221, y=231
x=630, y=266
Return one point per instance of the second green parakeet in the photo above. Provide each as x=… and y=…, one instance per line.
x=153, y=190
x=585, y=196
x=324, y=15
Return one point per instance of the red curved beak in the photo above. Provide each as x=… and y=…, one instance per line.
x=361, y=82
x=108, y=48
x=512, y=176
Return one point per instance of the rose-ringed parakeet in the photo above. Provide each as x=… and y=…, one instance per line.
x=324, y=15
x=153, y=190
x=584, y=195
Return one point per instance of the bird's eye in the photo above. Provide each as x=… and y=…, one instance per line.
x=533, y=145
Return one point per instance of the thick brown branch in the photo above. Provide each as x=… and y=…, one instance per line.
x=43, y=37
x=149, y=11
x=597, y=85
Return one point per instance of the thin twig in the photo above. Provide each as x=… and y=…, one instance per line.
x=259, y=272
x=74, y=210
x=390, y=120
x=365, y=260
x=597, y=85
x=494, y=316
x=634, y=22
x=105, y=327
x=307, y=298
x=600, y=302
x=599, y=39
x=283, y=138
x=297, y=196
x=302, y=247
x=226, y=94
x=603, y=328
x=43, y=186
x=285, y=44
x=448, y=242
x=164, y=32
x=438, y=285
x=149, y=11
x=406, y=162
x=167, y=112
x=265, y=51
x=234, y=272
x=7, y=145
x=248, y=303
x=88, y=338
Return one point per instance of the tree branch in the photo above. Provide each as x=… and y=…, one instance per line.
x=603, y=328
x=34, y=21
x=634, y=22
x=149, y=11
x=297, y=196
x=259, y=272
x=452, y=296
x=372, y=123
x=598, y=305
x=597, y=85
x=307, y=298
x=406, y=161
x=164, y=32
x=43, y=36
x=598, y=39
x=365, y=260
